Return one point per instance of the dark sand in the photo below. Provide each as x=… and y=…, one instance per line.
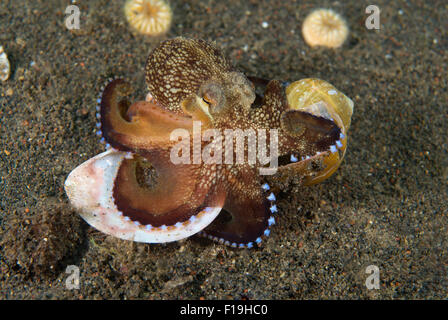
x=387, y=204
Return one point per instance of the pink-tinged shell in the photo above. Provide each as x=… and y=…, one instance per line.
x=90, y=190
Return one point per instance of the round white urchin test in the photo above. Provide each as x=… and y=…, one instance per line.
x=324, y=27
x=150, y=17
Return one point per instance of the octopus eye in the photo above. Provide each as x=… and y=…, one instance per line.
x=213, y=95
x=208, y=100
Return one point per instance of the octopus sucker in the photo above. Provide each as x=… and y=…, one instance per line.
x=155, y=186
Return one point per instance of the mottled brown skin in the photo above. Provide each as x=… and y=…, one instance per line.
x=192, y=80
x=178, y=67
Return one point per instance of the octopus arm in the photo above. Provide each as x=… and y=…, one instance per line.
x=305, y=135
x=246, y=217
x=152, y=190
x=141, y=126
x=268, y=106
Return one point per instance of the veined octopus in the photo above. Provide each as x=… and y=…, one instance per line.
x=152, y=186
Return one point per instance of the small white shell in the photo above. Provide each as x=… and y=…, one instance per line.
x=90, y=190
x=4, y=65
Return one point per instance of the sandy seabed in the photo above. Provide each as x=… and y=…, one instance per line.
x=386, y=205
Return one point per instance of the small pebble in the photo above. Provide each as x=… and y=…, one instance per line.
x=4, y=65
x=264, y=24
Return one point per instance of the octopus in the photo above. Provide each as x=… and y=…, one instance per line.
x=172, y=167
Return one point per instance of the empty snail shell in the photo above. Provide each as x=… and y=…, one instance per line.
x=322, y=99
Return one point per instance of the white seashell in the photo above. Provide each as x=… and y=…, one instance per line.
x=5, y=69
x=90, y=190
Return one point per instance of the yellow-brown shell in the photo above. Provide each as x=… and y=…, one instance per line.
x=322, y=99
